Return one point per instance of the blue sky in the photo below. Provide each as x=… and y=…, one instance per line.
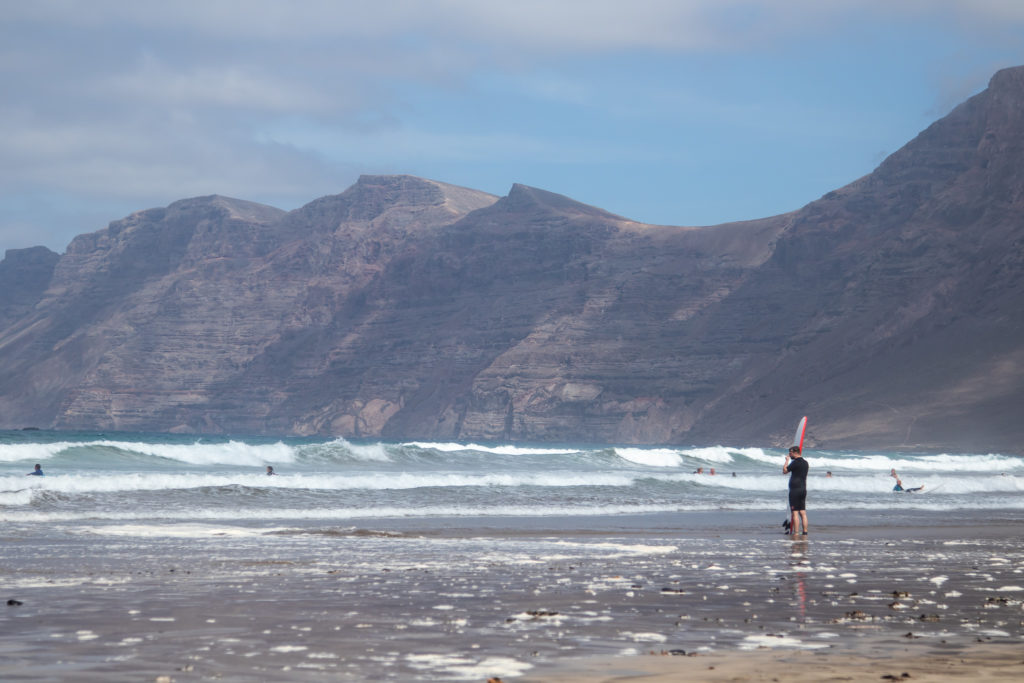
x=683, y=112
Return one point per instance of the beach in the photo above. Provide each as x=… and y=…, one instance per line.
x=399, y=562
x=587, y=599
x=889, y=662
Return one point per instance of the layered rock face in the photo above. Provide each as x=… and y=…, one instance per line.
x=24, y=275
x=890, y=311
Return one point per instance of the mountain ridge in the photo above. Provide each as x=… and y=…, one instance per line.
x=404, y=308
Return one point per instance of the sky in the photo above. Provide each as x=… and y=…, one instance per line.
x=679, y=112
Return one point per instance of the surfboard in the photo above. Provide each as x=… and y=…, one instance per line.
x=916, y=489
x=801, y=429
x=798, y=440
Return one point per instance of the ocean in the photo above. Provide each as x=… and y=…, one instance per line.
x=101, y=479
x=164, y=557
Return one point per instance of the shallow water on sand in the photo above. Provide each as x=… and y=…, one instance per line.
x=142, y=556
x=469, y=599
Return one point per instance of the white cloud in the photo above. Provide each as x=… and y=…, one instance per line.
x=542, y=24
x=218, y=85
x=152, y=101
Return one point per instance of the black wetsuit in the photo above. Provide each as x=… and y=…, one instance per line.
x=798, y=483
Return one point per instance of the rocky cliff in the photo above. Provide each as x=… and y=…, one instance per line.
x=889, y=310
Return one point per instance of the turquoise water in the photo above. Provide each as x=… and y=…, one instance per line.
x=168, y=479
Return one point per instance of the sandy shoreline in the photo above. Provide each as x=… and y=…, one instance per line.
x=888, y=662
x=570, y=599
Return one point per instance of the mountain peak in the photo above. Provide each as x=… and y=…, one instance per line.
x=1010, y=79
x=373, y=195
x=526, y=198
x=240, y=209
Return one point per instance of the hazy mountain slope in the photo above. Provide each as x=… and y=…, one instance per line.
x=889, y=310
x=901, y=301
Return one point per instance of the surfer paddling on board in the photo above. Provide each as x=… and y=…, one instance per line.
x=899, y=487
x=796, y=467
x=38, y=471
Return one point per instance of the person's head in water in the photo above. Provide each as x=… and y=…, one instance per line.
x=270, y=470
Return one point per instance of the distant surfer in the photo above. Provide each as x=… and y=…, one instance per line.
x=899, y=487
x=270, y=471
x=796, y=467
x=699, y=470
x=38, y=471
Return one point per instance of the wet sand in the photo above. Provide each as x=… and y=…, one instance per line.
x=888, y=662
x=866, y=595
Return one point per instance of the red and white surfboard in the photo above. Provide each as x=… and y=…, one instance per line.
x=801, y=429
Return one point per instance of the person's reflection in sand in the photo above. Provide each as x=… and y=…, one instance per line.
x=798, y=559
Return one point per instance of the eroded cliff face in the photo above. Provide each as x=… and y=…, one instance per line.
x=907, y=305
x=890, y=310
x=24, y=275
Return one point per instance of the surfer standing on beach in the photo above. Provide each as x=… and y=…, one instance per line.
x=796, y=467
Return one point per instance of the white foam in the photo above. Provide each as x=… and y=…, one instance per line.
x=374, y=452
x=772, y=641
x=13, y=490
x=928, y=464
x=614, y=550
x=12, y=498
x=651, y=457
x=63, y=583
x=176, y=530
x=497, y=450
x=345, y=513
x=725, y=454
x=88, y=482
x=466, y=669
x=230, y=452
x=644, y=637
x=29, y=452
